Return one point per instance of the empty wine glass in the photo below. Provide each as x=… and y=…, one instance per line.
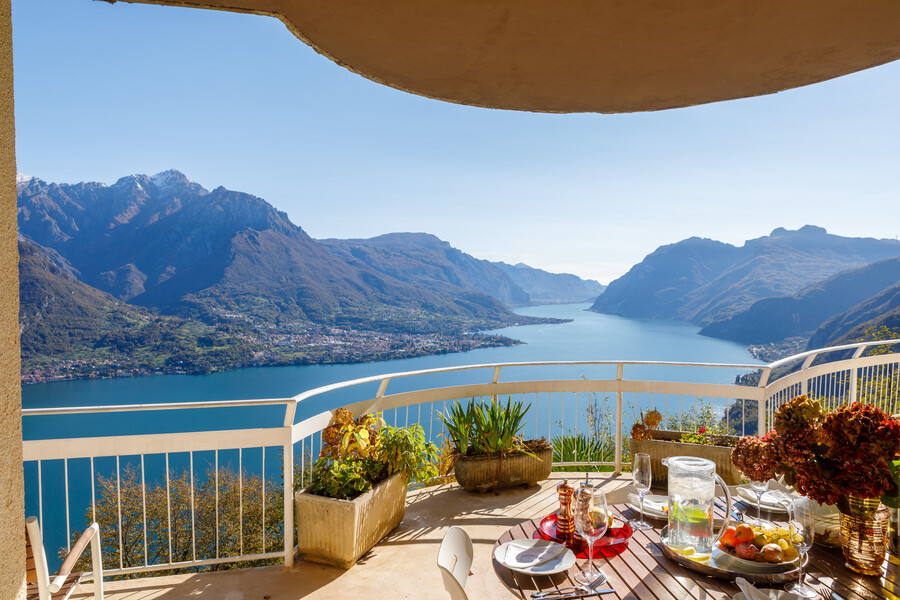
x=760, y=487
x=640, y=474
x=591, y=520
x=802, y=525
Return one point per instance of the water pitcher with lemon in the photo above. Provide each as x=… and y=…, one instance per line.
x=692, y=489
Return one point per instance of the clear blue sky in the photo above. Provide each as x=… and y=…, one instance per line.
x=103, y=91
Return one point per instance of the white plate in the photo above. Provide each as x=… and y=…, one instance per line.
x=769, y=502
x=562, y=561
x=652, y=505
x=771, y=593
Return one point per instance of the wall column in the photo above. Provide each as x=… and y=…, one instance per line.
x=12, y=492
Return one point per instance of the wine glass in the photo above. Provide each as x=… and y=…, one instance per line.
x=760, y=487
x=591, y=520
x=640, y=474
x=802, y=525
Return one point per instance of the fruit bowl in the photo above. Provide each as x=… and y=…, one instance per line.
x=722, y=566
x=758, y=549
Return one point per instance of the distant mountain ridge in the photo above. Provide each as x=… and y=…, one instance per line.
x=881, y=310
x=544, y=287
x=773, y=319
x=166, y=243
x=424, y=259
x=702, y=281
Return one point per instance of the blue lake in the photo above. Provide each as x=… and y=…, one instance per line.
x=590, y=336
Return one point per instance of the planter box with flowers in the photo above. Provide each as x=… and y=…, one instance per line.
x=850, y=457
x=358, y=487
x=660, y=444
x=488, y=452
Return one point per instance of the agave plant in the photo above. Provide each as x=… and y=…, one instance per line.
x=497, y=428
x=459, y=423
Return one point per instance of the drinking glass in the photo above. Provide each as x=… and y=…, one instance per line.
x=802, y=525
x=640, y=474
x=760, y=487
x=591, y=520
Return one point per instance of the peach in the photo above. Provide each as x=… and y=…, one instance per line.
x=747, y=550
x=772, y=553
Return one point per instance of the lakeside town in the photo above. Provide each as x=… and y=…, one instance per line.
x=270, y=348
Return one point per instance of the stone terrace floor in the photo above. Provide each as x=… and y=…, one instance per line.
x=403, y=565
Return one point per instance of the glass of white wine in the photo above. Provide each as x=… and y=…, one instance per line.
x=591, y=520
x=640, y=474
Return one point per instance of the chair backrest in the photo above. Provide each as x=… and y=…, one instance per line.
x=37, y=570
x=64, y=582
x=30, y=566
x=454, y=561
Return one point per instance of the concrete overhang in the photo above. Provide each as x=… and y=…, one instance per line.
x=605, y=56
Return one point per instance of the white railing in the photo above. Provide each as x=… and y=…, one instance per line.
x=202, y=506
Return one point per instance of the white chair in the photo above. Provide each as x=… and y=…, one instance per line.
x=454, y=560
x=40, y=586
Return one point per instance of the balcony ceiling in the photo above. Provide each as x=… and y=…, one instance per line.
x=605, y=56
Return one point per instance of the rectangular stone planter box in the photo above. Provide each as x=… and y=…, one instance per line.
x=338, y=532
x=477, y=473
x=665, y=444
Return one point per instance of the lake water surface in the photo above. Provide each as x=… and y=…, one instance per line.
x=590, y=336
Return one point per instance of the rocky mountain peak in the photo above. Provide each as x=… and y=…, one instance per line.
x=172, y=180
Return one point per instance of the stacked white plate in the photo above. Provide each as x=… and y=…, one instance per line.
x=535, y=557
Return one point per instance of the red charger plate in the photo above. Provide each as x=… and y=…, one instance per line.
x=613, y=543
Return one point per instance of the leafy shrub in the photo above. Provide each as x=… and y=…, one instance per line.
x=363, y=452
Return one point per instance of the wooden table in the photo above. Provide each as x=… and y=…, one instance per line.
x=643, y=572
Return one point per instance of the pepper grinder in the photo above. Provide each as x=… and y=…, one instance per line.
x=565, y=520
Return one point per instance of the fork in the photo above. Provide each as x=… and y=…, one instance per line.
x=572, y=590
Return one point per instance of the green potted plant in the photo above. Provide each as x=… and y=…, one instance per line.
x=357, y=490
x=703, y=442
x=488, y=449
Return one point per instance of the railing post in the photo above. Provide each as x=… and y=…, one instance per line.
x=619, y=374
x=761, y=406
x=288, y=499
x=804, y=382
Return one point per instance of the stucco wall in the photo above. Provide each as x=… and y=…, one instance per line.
x=12, y=529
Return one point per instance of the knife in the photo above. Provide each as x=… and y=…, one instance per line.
x=578, y=594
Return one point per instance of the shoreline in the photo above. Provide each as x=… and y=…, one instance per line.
x=357, y=347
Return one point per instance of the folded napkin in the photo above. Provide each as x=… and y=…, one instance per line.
x=769, y=500
x=751, y=593
x=520, y=555
x=652, y=503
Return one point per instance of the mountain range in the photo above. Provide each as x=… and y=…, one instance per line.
x=167, y=245
x=804, y=284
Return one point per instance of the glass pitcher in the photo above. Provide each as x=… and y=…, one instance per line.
x=692, y=489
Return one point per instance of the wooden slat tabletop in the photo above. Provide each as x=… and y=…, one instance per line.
x=643, y=572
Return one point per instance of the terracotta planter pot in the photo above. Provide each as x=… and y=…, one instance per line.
x=338, y=532
x=665, y=444
x=486, y=472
